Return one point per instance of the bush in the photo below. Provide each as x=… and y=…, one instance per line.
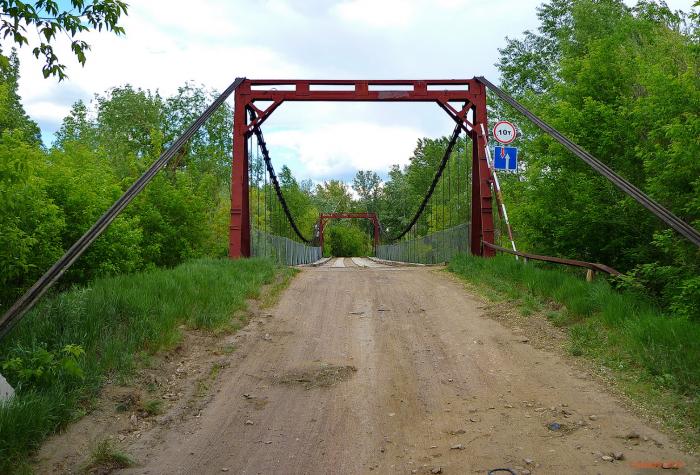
x=346, y=241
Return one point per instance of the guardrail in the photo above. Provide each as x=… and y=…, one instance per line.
x=592, y=266
x=283, y=250
x=434, y=248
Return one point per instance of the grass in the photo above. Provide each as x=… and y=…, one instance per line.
x=118, y=321
x=153, y=407
x=656, y=355
x=105, y=458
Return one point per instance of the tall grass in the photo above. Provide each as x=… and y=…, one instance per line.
x=115, y=320
x=623, y=329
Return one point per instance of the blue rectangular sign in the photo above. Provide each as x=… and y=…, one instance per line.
x=505, y=158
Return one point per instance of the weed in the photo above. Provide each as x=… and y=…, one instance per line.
x=106, y=457
x=204, y=384
x=127, y=402
x=153, y=407
x=228, y=349
x=282, y=282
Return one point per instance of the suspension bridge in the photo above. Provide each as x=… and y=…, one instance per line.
x=428, y=239
x=368, y=366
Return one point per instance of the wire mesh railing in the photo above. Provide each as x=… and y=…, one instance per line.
x=282, y=249
x=434, y=248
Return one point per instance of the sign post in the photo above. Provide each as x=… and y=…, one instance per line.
x=505, y=158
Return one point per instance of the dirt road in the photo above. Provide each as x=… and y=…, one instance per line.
x=365, y=368
x=395, y=370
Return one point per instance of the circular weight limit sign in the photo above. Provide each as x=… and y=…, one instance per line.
x=504, y=132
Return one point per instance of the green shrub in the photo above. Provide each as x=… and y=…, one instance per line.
x=346, y=241
x=37, y=367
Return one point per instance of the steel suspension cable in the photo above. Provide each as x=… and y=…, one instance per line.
x=250, y=185
x=442, y=225
x=436, y=178
x=450, y=166
x=457, y=166
x=257, y=186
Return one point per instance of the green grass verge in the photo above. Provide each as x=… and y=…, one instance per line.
x=118, y=322
x=656, y=355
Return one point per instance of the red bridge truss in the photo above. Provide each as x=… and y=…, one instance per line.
x=464, y=100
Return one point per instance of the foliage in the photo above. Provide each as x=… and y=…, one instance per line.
x=39, y=367
x=50, y=19
x=367, y=186
x=51, y=197
x=333, y=196
x=13, y=117
x=30, y=224
x=61, y=352
x=403, y=192
x=623, y=83
x=105, y=457
x=345, y=240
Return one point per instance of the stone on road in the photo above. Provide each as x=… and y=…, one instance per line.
x=364, y=262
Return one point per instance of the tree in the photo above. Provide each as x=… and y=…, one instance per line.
x=13, y=117
x=367, y=185
x=49, y=19
x=30, y=224
x=622, y=82
x=211, y=148
x=333, y=196
x=346, y=240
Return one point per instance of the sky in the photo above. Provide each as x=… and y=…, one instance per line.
x=210, y=42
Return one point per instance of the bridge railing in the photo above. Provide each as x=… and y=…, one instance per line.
x=282, y=249
x=434, y=248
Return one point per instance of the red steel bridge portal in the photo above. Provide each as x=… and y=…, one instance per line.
x=464, y=100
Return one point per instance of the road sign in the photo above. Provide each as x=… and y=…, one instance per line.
x=505, y=158
x=504, y=132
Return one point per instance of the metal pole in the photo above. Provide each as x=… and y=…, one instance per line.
x=499, y=195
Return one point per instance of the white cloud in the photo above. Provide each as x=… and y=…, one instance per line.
x=151, y=56
x=47, y=111
x=384, y=14
x=336, y=149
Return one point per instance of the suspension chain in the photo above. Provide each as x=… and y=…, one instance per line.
x=436, y=179
x=275, y=182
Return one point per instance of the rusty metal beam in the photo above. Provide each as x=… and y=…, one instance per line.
x=556, y=260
